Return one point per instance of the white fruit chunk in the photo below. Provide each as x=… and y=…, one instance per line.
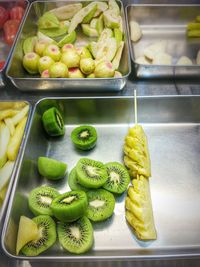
x=27, y=232
x=162, y=59
x=155, y=48
x=142, y=60
x=198, y=58
x=136, y=32
x=184, y=61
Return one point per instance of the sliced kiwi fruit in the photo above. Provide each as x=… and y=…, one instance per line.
x=101, y=204
x=51, y=169
x=76, y=237
x=91, y=173
x=69, y=206
x=47, y=236
x=53, y=122
x=118, y=178
x=73, y=181
x=40, y=199
x=84, y=137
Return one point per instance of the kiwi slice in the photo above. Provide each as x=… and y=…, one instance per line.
x=40, y=199
x=69, y=206
x=118, y=178
x=84, y=137
x=51, y=169
x=53, y=122
x=101, y=204
x=91, y=173
x=73, y=181
x=47, y=236
x=76, y=237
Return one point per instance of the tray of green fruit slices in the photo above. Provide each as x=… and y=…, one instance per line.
x=79, y=45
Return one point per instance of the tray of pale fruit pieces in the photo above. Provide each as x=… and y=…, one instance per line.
x=78, y=45
x=164, y=40
x=13, y=126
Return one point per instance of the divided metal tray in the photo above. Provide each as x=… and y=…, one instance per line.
x=172, y=125
x=164, y=22
x=25, y=82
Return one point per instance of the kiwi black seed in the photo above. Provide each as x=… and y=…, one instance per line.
x=73, y=181
x=40, y=199
x=76, y=237
x=101, y=204
x=118, y=178
x=47, y=236
x=91, y=173
x=70, y=206
x=84, y=137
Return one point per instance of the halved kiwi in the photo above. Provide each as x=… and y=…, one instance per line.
x=40, y=199
x=118, y=178
x=76, y=237
x=69, y=206
x=84, y=137
x=47, y=236
x=101, y=204
x=73, y=181
x=91, y=173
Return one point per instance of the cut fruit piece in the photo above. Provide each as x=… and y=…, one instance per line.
x=52, y=51
x=30, y=62
x=55, y=32
x=47, y=236
x=5, y=173
x=100, y=25
x=143, y=61
x=40, y=199
x=104, y=69
x=111, y=20
x=84, y=137
x=73, y=181
x=71, y=58
x=4, y=141
x=87, y=65
x=91, y=173
x=40, y=46
x=53, y=122
x=89, y=31
x=85, y=53
x=42, y=37
x=118, y=55
x=58, y=70
x=76, y=237
x=139, y=212
x=67, y=11
x=27, y=232
x=101, y=204
x=93, y=23
x=68, y=39
x=29, y=44
x=101, y=7
x=93, y=47
x=136, y=32
x=118, y=178
x=48, y=21
x=51, y=169
x=90, y=15
x=151, y=51
x=105, y=34
x=113, y=6
x=107, y=50
x=69, y=206
x=75, y=73
x=117, y=74
x=184, y=61
x=45, y=63
x=118, y=36
x=162, y=59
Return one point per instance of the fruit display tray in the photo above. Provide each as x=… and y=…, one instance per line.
x=5, y=49
x=164, y=22
x=25, y=82
x=6, y=199
x=172, y=126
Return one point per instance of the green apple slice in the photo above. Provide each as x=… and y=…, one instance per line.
x=29, y=43
x=68, y=39
x=89, y=31
x=48, y=21
x=117, y=58
x=111, y=20
x=67, y=11
x=107, y=49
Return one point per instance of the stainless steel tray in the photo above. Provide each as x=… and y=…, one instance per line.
x=8, y=193
x=164, y=22
x=6, y=50
x=23, y=81
x=172, y=125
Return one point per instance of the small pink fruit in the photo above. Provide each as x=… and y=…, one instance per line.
x=67, y=47
x=52, y=51
x=58, y=70
x=87, y=65
x=30, y=62
x=71, y=58
x=104, y=70
x=75, y=73
x=44, y=63
x=40, y=46
x=45, y=74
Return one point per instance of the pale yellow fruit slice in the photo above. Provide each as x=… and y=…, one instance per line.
x=27, y=232
x=184, y=61
x=151, y=51
x=162, y=59
x=136, y=32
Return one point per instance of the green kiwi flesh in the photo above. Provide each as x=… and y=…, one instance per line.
x=47, y=236
x=101, y=204
x=73, y=182
x=69, y=206
x=84, y=137
x=91, y=173
x=40, y=199
x=118, y=178
x=76, y=237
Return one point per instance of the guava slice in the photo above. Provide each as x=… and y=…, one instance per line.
x=111, y=20
x=67, y=11
x=29, y=43
x=48, y=21
x=56, y=31
x=89, y=31
x=68, y=39
x=117, y=58
x=107, y=50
